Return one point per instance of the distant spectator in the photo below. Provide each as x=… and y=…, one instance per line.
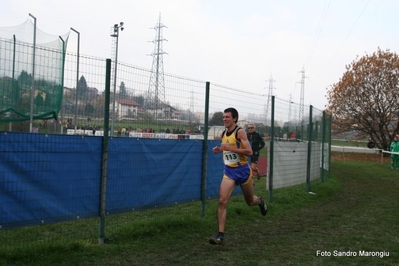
x=292, y=135
x=298, y=135
x=395, y=157
x=285, y=136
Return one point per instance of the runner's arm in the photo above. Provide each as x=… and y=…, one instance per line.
x=261, y=142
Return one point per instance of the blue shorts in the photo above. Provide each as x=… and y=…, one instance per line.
x=241, y=174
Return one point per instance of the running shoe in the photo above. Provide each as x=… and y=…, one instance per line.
x=263, y=207
x=218, y=240
x=259, y=176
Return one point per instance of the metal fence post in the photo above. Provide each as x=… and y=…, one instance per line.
x=62, y=83
x=77, y=79
x=329, y=145
x=32, y=89
x=310, y=129
x=271, y=154
x=323, y=140
x=104, y=163
x=205, y=150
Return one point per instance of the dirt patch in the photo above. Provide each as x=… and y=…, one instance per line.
x=339, y=156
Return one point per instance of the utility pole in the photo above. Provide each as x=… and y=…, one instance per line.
x=32, y=85
x=156, y=89
x=115, y=35
x=77, y=80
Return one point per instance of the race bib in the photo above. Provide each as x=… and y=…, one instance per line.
x=230, y=157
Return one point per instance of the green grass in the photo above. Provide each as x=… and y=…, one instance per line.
x=356, y=209
x=352, y=143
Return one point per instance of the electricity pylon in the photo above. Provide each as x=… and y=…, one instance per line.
x=269, y=95
x=302, y=97
x=156, y=89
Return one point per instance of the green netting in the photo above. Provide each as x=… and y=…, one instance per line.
x=31, y=73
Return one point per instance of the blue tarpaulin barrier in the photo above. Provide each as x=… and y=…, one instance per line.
x=52, y=178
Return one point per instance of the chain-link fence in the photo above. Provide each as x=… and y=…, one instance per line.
x=129, y=144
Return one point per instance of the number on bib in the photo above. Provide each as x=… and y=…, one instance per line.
x=231, y=157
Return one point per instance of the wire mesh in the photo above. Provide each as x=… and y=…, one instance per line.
x=155, y=145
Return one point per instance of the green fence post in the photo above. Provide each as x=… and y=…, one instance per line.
x=323, y=140
x=62, y=84
x=104, y=163
x=329, y=146
x=205, y=150
x=271, y=153
x=310, y=129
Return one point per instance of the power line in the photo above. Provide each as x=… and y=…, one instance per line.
x=347, y=36
x=319, y=27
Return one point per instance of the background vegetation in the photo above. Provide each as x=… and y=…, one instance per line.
x=365, y=100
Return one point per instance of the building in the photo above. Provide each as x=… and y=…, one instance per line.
x=126, y=108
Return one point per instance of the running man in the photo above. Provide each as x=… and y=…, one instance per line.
x=237, y=172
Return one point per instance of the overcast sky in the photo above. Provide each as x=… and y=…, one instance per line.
x=238, y=44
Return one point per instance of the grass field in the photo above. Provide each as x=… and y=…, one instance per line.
x=356, y=210
x=352, y=143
